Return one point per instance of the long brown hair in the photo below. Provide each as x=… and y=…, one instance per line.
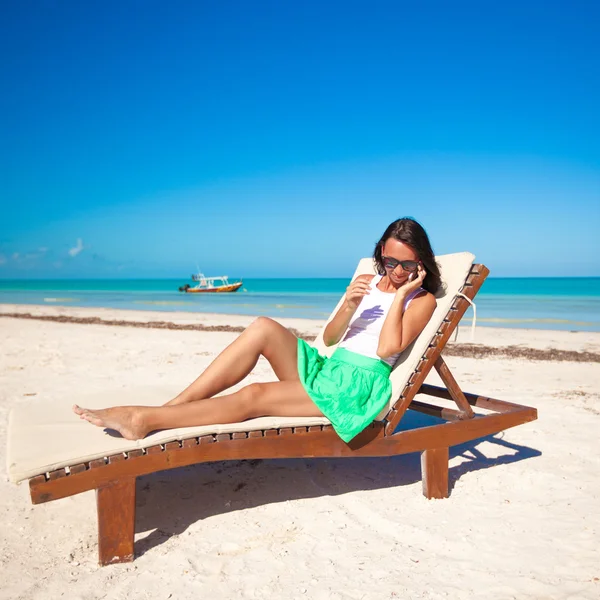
x=410, y=232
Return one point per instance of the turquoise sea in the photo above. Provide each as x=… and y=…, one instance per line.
x=568, y=303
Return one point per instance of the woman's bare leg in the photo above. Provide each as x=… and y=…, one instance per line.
x=280, y=398
x=264, y=336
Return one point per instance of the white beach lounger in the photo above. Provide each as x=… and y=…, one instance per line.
x=62, y=455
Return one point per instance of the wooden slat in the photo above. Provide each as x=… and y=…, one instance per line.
x=407, y=391
x=453, y=388
x=151, y=450
x=115, y=458
x=435, y=342
x=34, y=481
x=98, y=463
x=53, y=475
x=135, y=453
x=286, y=431
x=441, y=412
x=271, y=433
x=412, y=379
x=474, y=400
x=444, y=327
x=472, y=277
x=429, y=353
x=255, y=434
x=190, y=443
x=420, y=365
x=459, y=304
x=239, y=435
x=391, y=415
x=206, y=439
x=75, y=469
x=169, y=446
x=223, y=437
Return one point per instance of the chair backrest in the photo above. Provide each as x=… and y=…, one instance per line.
x=454, y=269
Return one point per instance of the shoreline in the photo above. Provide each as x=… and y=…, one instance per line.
x=496, y=343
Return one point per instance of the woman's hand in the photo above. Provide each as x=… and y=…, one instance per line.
x=356, y=291
x=414, y=281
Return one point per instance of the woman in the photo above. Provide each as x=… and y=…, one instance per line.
x=380, y=317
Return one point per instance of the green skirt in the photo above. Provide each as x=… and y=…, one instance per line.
x=350, y=389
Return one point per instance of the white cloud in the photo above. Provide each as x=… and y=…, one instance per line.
x=77, y=249
x=25, y=260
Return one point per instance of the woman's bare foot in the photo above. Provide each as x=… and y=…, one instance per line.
x=127, y=420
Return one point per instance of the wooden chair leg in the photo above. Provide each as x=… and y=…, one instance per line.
x=455, y=392
x=116, y=521
x=434, y=471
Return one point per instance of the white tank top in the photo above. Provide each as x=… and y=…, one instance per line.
x=365, y=325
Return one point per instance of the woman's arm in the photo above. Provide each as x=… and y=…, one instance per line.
x=400, y=328
x=355, y=292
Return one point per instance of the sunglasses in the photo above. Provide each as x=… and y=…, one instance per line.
x=407, y=265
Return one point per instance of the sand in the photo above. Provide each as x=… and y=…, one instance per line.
x=521, y=521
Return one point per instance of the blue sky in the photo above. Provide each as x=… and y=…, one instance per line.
x=143, y=138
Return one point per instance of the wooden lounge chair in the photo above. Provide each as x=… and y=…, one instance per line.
x=110, y=465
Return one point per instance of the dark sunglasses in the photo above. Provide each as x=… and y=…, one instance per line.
x=408, y=265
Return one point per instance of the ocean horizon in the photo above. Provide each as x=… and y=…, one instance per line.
x=561, y=303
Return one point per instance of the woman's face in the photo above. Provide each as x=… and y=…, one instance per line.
x=400, y=252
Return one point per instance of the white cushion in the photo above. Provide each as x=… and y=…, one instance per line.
x=44, y=436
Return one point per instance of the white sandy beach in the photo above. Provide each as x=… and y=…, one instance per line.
x=521, y=522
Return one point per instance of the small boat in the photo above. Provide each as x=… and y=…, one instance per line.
x=211, y=284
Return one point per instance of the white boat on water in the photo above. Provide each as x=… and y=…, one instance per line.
x=211, y=284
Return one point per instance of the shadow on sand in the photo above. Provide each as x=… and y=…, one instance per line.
x=168, y=502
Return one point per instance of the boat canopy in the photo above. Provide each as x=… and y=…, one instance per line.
x=210, y=281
